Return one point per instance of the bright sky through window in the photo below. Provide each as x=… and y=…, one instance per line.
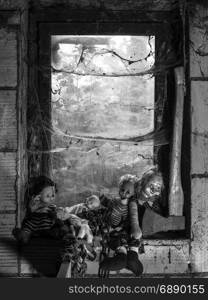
x=119, y=106
x=95, y=93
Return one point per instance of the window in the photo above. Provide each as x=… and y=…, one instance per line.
x=83, y=114
x=98, y=109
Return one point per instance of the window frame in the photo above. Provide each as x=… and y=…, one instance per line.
x=45, y=28
x=44, y=82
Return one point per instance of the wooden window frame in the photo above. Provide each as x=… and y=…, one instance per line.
x=73, y=23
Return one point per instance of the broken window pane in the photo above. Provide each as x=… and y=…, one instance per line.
x=97, y=100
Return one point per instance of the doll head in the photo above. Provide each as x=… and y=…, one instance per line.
x=93, y=202
x=151, y=185
x=127, y=186
x=44, y=189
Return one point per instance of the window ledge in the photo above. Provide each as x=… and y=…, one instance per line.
x=166, y=242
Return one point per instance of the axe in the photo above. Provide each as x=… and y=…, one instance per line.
x=176, y=197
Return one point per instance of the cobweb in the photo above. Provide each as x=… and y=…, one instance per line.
x=97, y=107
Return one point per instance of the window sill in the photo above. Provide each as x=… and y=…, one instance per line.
x=167, y=242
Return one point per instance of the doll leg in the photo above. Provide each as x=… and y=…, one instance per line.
x=118, y=261
x=115, y=263
x=82, y=232
x=85, y=232
x=133, y=262
x=69, y=247
x=89, y=234
x=23, y=234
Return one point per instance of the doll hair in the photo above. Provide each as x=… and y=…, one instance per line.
x=127, y=178
x=40, y=183
x=147, y=176
x=151, y=173
x=93, y=198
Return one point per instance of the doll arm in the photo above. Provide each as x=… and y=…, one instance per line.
x=157, y=207
x=135, y=230
x=35, y=204
x=76, y=221
x=64, y=213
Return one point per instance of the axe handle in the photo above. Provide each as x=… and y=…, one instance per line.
x=176, y=197
x=65, y=270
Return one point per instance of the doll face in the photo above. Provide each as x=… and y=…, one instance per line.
x=47, y=195
x=93, y=203
x=152, y=188
x=127, y=190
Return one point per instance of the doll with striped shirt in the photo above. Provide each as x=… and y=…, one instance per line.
x=40, y=209
x=126, y=217
x=42, y=218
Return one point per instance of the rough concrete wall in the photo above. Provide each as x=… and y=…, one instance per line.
x=160, y=258
x=12, y=123
x=199, y=135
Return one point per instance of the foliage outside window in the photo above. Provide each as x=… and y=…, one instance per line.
x=98, y=107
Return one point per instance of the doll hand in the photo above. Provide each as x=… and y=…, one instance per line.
x=35, y=203
x=119, y=228
x=62, y=214
x=137, y=235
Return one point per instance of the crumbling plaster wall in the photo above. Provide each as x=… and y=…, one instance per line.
x=161, y=257
x=199, y=135
x=13, y=88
